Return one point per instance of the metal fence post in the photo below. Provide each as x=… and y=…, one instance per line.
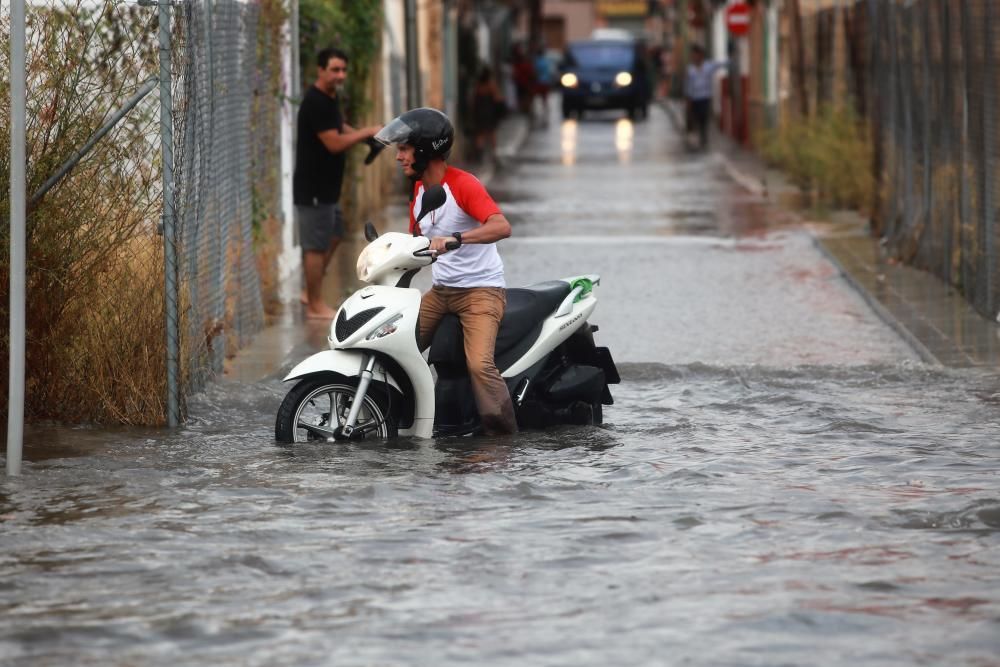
x=18, y=255
x=965, y=205
x=989, y=147
x=907, y=88
x=947, y=146
x=413, y=92
x=926, y=110
x=169, y=218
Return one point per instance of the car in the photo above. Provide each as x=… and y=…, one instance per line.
x=604, y=74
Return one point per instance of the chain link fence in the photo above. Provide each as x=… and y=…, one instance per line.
x=935, y=124
x=227, y=124
x=924, y=74
x=95, y=277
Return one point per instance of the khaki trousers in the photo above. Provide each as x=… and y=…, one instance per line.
x=480, y=310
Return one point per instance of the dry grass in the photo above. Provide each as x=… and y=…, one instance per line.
x=95, y=348
x=117, y=355
x=827, y=155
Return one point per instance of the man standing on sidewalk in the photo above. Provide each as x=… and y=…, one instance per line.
x=323, y=137
x=698, y=91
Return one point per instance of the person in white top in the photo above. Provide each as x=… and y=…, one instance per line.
x=468, y=280
x=698, y=91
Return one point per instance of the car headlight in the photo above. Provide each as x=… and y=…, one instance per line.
x=386, y=329
x=623, y=79
x=569, y=80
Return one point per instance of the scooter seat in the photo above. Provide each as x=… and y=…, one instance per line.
x=527, y=308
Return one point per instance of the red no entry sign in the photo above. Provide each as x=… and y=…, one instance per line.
x=738, y=19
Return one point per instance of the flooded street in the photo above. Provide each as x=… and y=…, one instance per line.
x=780, y=480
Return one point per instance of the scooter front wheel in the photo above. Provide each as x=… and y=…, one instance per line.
x=316, y=408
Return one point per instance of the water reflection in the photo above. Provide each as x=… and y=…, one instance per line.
x=624, y=135
x=568, y=132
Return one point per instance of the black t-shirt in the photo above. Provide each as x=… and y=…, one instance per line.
x=318, y=172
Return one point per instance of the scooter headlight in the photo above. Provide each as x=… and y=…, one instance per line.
x=389, y=327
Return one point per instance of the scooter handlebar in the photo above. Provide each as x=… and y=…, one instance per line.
x=427, y=252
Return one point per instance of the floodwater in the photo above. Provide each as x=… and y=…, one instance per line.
x=779, y=482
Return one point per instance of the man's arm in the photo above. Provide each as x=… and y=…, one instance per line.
x=494, y=229
x=338, y=142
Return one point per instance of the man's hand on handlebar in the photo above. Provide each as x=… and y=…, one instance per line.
x=442, y=244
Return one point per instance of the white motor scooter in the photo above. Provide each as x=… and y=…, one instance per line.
x=373, y=382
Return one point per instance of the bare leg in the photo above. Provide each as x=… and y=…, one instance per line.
x=327, y=256
x=491, y=140
x=316, y=308
x=329, y=252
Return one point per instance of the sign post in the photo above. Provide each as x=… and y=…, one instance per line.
x=738, y=23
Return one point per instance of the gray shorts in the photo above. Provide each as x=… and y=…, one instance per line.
x=319, y=225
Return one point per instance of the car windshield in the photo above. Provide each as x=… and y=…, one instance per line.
x=597, y=54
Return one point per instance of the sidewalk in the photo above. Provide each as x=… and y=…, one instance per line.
x=930, y=315
x=290, y=338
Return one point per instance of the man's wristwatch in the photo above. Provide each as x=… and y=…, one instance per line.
x=458, y=237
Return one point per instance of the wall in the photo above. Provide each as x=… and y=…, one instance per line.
x=578, y=16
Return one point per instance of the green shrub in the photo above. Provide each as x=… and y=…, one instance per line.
x=352, y=25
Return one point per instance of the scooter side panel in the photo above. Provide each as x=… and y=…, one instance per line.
x=554, y=331
x=401, y=346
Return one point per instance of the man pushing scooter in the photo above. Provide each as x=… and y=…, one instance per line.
x=468, y=280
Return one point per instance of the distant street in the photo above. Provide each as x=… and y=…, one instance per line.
x=694, y=268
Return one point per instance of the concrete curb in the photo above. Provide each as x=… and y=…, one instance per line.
x=873, y=302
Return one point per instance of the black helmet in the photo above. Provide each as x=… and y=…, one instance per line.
x=428, y=130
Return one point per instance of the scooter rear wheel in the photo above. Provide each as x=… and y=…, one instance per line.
x=317, y=405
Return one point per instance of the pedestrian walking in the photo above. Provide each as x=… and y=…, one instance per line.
x=468, y=280
x=523, y=73
x=488, y=109
x=543, y=81
x=698, y=92
x=323, y=137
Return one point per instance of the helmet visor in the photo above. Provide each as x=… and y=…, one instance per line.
x=396, y=132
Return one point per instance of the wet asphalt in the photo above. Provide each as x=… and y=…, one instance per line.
x=695, y=269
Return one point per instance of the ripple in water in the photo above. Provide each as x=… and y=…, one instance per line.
x=720, y=516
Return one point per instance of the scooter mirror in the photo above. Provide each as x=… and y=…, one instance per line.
x=434, y=198
x=370, y=232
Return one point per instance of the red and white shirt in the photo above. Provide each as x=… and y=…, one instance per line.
x=467, y=206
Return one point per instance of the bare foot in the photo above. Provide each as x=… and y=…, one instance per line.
x=324, y=312
x=304, y=298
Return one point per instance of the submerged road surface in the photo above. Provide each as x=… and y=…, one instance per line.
x=780, y=480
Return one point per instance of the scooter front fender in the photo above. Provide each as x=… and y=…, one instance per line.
x=348, y=363
x=342, y=362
